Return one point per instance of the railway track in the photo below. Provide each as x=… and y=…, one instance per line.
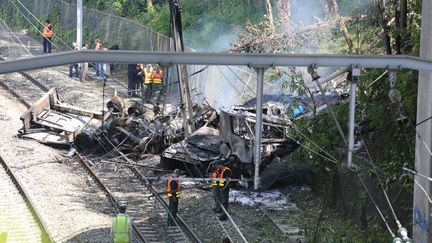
x=20, y=221
x=285, y=220
x=146, y=207
x=24, y=87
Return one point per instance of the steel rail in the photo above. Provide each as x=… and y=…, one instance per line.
x=18, y=96
x=107, y=192
x=181, y=222
x=196, y=58
x=46, y=235
x=86, y=166
x=31, y=79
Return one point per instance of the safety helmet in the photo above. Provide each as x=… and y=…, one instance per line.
x=122, y=207
x=217, y=162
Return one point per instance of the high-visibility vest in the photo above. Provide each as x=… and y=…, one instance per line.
x=214, y=175
x=47, y=32
x=157, y=77
x=177, y=193
x=148, y=76
x=120, y=228
x=221, y=175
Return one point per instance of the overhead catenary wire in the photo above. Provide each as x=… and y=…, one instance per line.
x=61, y=40
x=311, y=141
x=54, y=35
x=31, y=23
x=323, y=205
x=16, y=37
x=330, y=158
x=422, y=188
x=202, y=178
x=376, y=206
x=382, y=186
x=425, y=120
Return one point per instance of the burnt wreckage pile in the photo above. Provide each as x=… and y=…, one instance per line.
x=138, y=129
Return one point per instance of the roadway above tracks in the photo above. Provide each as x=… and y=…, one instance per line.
x=196, y=58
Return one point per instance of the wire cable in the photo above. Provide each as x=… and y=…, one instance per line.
x=382, y=186
x=57, y=47
x=323, y=205
x=425, y=120
x=311, y=141
x=31, y=23
x=16, y=37
x=422, y=188
x=330, y=158
x=377, y=208
x=54, y=35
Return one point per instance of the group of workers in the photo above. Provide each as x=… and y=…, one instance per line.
x=144, y=81
x=77, y=71
x=220, y=184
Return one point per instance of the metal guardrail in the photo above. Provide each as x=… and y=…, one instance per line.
x=192, y=58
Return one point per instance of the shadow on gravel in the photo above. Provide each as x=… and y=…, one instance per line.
x=92, y=235
x=90, y=195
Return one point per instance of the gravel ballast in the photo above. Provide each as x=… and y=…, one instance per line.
x=68, y=202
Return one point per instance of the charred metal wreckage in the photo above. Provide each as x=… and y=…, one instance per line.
x=136, y=128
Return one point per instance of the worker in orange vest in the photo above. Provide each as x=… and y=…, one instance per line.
x=221, y=187
x=215, y=186
x=47, y=36
x=174, y=187
x=157, y=82
x=148, y=83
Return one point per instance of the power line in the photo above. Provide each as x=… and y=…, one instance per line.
x=425, y=120
x=377, y=208
x=31, y=23
x=381, y=185
x=311, y=141
x=40, y=21
x=331, y=159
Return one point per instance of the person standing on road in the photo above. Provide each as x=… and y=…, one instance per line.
x=215, y=186
x=84, y=65
x=100, y=66
x=47, y=37
x=121, y=226
x=140, y=80
x=74, y=65
x=157, y=83
x=148, y=83
x=174, y=187
x=132, y=79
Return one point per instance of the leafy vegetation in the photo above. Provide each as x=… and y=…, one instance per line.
x=390, y=142
x=202, y=20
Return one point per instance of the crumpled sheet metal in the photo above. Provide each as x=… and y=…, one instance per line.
x=202, y=145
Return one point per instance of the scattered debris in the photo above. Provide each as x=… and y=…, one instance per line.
x=272, y=198
x=50, y=121
x=138, y=129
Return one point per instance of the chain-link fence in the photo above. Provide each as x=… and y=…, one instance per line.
x=234, y=83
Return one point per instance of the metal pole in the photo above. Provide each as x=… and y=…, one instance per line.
x=188, y=124
x=351, y=123
x=421, y=205
x=355, y=74
x=79, y=24
x=258, y=125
